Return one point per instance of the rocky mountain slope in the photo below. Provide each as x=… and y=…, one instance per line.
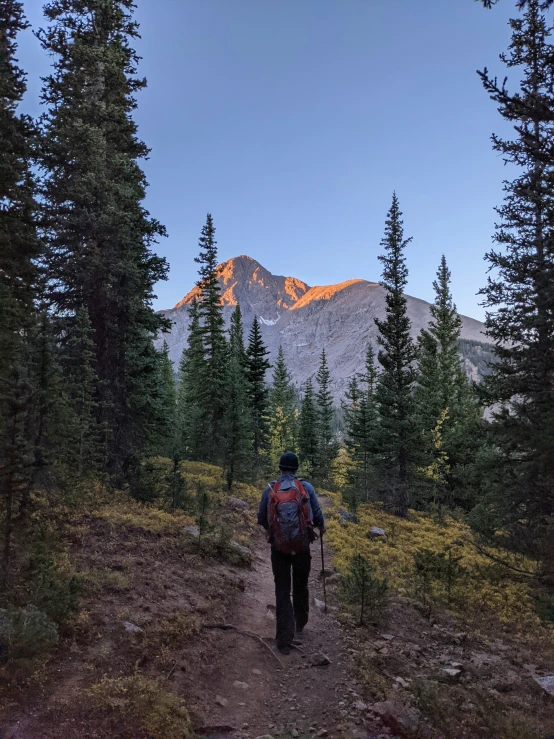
x=304, y=319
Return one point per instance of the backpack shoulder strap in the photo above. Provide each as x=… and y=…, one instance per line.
x=300, y=487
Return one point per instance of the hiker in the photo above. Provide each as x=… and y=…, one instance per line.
x=288, y=511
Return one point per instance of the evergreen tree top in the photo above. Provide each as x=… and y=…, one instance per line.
x=12, y=78
x=395, y=271
x=207, y=259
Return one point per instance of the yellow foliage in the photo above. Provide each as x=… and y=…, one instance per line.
x=492, y=598
x=137, y=698
x=142, y=516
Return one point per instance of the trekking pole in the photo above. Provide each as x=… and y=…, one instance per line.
x=323, y=571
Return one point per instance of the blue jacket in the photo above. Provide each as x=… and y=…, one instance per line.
x=289, y=477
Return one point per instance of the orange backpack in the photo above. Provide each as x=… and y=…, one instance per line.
x=290, y=519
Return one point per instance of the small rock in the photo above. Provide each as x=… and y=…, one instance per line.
x=241, y=685
x=256, y=672
x=457, y=666
x=346, y=516
x=402, y=682
x=221, y=701
x=320, y=660
x=239, y=548
x=295, y=733
x=132, y=627
x=387, y=637
x=451, y=672
x=360, y=706
x=333, y=579
x=238, y=503
x=377, y=533
x=265, y=736
x=322, y=732
x=319, y=604
x=398, y=716
x=546, y=683
x=192, y=530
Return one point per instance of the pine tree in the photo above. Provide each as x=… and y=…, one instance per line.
x=361, y=431
x=284, y=419
x=520, y=293
x=164, y=439
x=19, y=246
x=191, y=415
x=397, y=354
x=326, y=442
x=99, y=236
x=444, y=398
x=258, y=393
x=237, y=421
x=86, y=453
x=212, y=327
x=308, y=432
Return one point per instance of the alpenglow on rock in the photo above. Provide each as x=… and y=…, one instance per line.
x=304, y=319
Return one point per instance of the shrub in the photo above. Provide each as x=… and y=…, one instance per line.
x=363, y=590
x=139, y=700
x=25, y=633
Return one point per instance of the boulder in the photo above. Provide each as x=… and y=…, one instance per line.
x=376, y=533
x=346, y=516
x=192, y=530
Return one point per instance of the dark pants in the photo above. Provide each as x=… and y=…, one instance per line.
x=295, y=614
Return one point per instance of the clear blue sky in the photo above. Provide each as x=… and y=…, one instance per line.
x=292, y=121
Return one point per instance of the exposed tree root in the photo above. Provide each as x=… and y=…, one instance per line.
x=230, y=627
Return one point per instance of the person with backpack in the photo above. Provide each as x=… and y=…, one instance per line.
x=288, y=511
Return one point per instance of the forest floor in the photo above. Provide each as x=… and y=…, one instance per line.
x=139, y=663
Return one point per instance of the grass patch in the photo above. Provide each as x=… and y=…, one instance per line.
x=95, y=579
x=143, y=703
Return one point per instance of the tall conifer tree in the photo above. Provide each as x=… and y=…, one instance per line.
x=396, y=356
x=283, y=420
x=99, y=236
x=164, y=438
x=258, y=393
x=326, y=442
x=18, y=248
x=237, y=420
x=308, y=432
x=361, y=431
x=443, y=395
x=520, y=293
x=191, y=415
x=212, y=328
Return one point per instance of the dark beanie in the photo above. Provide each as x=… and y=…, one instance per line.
x=289, y=461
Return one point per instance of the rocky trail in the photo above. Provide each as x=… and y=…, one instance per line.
x=312, y=694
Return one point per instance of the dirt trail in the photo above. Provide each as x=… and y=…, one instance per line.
x=252, y=694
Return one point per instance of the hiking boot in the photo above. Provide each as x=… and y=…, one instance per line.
x=298, y=637
x=284, y=649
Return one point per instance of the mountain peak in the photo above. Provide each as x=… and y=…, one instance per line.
x=244, y=280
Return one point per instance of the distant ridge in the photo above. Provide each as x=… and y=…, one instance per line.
x=304, y=319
